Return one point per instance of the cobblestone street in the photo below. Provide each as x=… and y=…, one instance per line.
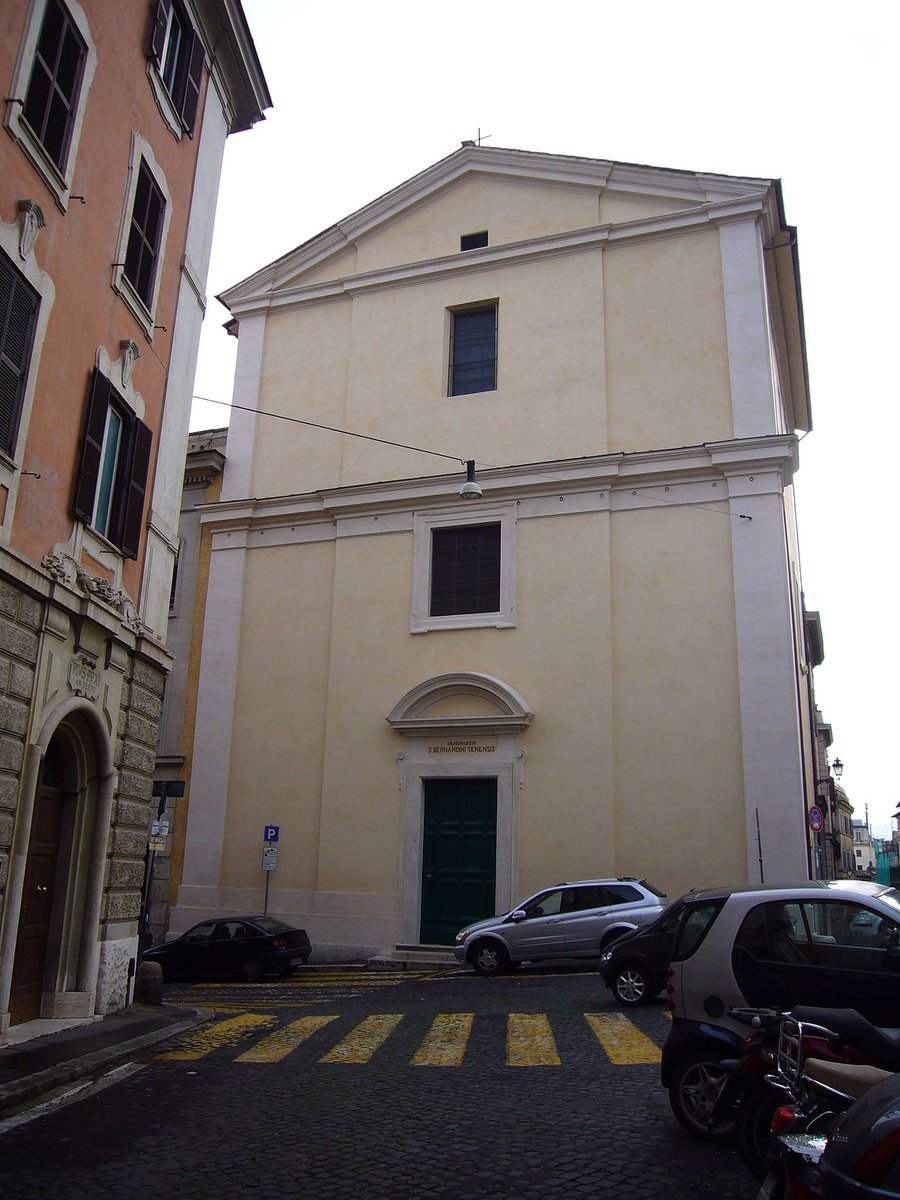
x=439, y=1085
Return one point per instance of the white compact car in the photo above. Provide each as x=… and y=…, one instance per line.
x=833, y=944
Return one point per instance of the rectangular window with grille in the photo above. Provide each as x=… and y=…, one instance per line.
x=55, y=81
x=473, y=351
x=19, y=304
x=465, y=569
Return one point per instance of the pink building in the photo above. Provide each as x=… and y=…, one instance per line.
x=115, y=122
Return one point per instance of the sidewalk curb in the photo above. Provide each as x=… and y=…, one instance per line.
x=20, y=1091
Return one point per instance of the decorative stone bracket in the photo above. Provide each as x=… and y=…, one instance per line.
x=31, y=222
x=64, y=569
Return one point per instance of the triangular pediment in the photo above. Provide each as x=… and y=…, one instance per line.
x=528, y=199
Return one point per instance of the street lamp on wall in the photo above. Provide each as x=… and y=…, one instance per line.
x=838, y=767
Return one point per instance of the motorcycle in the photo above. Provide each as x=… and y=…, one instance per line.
x=812, y=1093
x=752, y=1094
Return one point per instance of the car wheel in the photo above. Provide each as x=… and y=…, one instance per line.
x=286, y=972
x=489, y=958
x=250, y=971
x=631, y=985
x=697, y=1082
x=754, y=1127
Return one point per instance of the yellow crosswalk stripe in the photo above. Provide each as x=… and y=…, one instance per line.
x=329, y=979
x=446, y=1041
x=361, y=1043
x=279, y=1044
x=529, y=1041
x=215, y=1037
x=622, y=1041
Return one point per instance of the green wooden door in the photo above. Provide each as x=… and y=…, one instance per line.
x=459, y=858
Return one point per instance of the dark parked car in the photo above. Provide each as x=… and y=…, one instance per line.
x=236, y=947
x=634, y=967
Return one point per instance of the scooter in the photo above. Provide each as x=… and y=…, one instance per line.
x=813, y=1092
x=824, y=1035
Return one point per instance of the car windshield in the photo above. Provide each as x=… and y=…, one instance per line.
x=698, y=919
x=270, y=924
x=667, y=921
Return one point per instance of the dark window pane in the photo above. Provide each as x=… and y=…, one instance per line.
x=472, y=241
x=173, y=64
x=18, y=316
x=145, y=236
x=473, y=352
x=465, y=570
x=54, y=84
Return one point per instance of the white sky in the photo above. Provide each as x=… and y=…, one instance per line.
x=366, y=95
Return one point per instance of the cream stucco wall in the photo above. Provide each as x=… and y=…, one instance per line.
x=621, y=351
x=678, y=784
x=510, y=211
x=636, y=649
x=667, y=351
x=277, y=759
x=635, y=454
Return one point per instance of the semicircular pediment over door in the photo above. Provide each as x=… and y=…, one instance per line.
x=460, y=700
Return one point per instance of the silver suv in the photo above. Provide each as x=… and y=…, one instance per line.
x=570, y=920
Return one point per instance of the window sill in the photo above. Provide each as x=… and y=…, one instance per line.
x=462, y=621
x=164, y=103
x=55, y=180
x=133, y=301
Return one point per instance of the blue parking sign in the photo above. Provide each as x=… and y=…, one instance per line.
x=271, y=833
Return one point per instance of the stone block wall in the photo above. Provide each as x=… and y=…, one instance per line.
x=135, y=760
x=21, y=617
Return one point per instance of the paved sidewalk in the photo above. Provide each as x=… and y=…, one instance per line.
x=44, y=1056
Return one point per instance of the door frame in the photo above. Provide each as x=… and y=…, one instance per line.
x=73, y=955
x=460, y=725
x=416, y=765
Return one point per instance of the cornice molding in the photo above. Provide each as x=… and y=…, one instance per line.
x=751, y=466
x=202, y=466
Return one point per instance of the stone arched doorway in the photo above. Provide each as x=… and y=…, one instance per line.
x=460, y=775
x=49, y=949
x=40, y=888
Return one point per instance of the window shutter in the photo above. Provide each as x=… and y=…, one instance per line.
x=91, y=447
x=192, y=83
x=158, y=30
x=18, y=316
x=136, y=486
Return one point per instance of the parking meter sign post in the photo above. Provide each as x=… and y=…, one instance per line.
x=269, y=859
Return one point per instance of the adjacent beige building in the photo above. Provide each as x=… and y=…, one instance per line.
x=594, y=668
